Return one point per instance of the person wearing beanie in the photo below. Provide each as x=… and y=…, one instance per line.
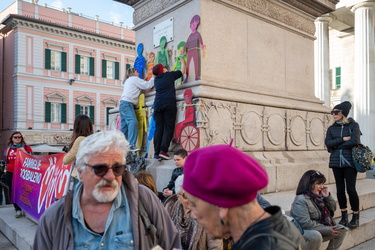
x=165, y=107
x=341, y=137
x=221, y=184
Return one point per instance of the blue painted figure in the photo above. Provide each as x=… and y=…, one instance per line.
x=140, y=62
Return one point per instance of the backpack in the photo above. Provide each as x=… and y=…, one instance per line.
x=362, y=157
x=135, y=163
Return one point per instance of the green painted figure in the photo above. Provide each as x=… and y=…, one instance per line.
x=162, y=56
x=177, y=64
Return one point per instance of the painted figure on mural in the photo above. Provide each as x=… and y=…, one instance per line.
x=177, y=65
x=192, y=47
x=162, y=56
x=140, y=113
x=140, y=62
x=150, y=65
x=189, y=113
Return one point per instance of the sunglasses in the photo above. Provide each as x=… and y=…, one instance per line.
x=316, y=174
x=335, y=112
x=17, y=137
x=102, y=169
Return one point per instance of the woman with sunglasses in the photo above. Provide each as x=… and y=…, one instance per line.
x=16, y=142
x=314, y=208
x=342, y=136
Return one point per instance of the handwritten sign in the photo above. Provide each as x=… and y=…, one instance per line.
x=164, y=28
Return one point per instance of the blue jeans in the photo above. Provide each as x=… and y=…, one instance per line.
x=129, y=123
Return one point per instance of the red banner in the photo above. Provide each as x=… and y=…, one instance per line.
x=38, y=180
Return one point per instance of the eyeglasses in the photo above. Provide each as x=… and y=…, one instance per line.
x=316, y=174
x=102, y=169
x=335, y=112
x=17, y=137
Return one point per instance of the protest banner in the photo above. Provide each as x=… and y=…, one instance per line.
x=38, y=180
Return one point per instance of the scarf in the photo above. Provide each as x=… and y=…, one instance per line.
x=7, y=148
x=325, y=218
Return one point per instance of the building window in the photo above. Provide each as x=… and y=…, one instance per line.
x=55, y=60
x=86, y=110
x=338, y=78
x=110, y=69
x=55, y=112
x=84, y=65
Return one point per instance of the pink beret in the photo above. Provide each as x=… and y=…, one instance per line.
x=223, y=175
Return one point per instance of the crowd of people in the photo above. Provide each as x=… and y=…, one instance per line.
x=212, y=200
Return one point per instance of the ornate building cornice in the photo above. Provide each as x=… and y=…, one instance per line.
x=275, y=12
x=16, y=21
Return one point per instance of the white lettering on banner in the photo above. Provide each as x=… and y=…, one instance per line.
x=32, y=163
x=31, y=176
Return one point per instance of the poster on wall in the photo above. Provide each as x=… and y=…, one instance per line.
x=38, y=181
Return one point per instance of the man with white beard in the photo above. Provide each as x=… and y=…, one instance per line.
x=102, y=212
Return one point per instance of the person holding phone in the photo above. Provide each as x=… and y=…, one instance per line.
x=314, y=208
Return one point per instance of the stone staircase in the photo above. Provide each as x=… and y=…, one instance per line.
x=284, y=169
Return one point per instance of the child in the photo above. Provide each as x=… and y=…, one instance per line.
x=179, y=159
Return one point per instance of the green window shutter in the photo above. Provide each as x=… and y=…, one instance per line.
x=47, y=112
x=78, y=109
x=92, y=66
x=48, y=59
x=92, y=114
x=108, y=109
x=78, y=64
x=127, y=67
x=117, y=70
x=104, y=68
x=63, y=112
x=338, y=78
x=63, y=61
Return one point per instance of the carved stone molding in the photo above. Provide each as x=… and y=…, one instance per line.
x=75, y=34
x=273, y=11
x=151, y=8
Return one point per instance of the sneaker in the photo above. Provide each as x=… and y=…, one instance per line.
x=18, y=214
x=133, y=148
x=164, y=156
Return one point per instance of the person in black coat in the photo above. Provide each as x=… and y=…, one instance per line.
x=341, y=137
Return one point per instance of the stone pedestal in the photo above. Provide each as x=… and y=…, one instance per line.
x=257, y=77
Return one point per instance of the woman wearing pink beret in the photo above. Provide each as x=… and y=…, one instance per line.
x=221, y=184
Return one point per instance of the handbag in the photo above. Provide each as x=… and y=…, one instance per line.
x=362, y=157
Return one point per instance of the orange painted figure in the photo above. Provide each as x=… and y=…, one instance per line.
x=186, y=132
x=150, y=65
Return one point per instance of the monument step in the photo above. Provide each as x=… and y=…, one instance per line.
x=365, y=191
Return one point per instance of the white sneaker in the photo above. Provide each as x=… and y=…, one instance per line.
x=18, y=214
x=133, y=148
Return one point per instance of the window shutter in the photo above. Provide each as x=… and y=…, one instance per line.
x=78, y=109
x=48, y=59
x=117, y=70
x=107, y=115
x=47, y=112
x=127, y=67
x=63, y=112
x=338, y=78
x=92, y=66
x=104, y=68
x=63, y=61
x=92, y=115
x=78, y=64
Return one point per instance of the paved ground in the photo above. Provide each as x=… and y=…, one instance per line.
x=5, y=244
x=368, y=245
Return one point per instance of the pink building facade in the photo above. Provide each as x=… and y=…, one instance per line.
x=55, y=65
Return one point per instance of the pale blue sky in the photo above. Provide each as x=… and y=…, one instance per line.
x=108, y=10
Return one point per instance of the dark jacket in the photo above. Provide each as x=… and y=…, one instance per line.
x=176, y=173
x=341, y=151
x=164, y=87
x=275, y=225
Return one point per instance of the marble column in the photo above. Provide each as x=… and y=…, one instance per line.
x=321, y=60
x=364, y=85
